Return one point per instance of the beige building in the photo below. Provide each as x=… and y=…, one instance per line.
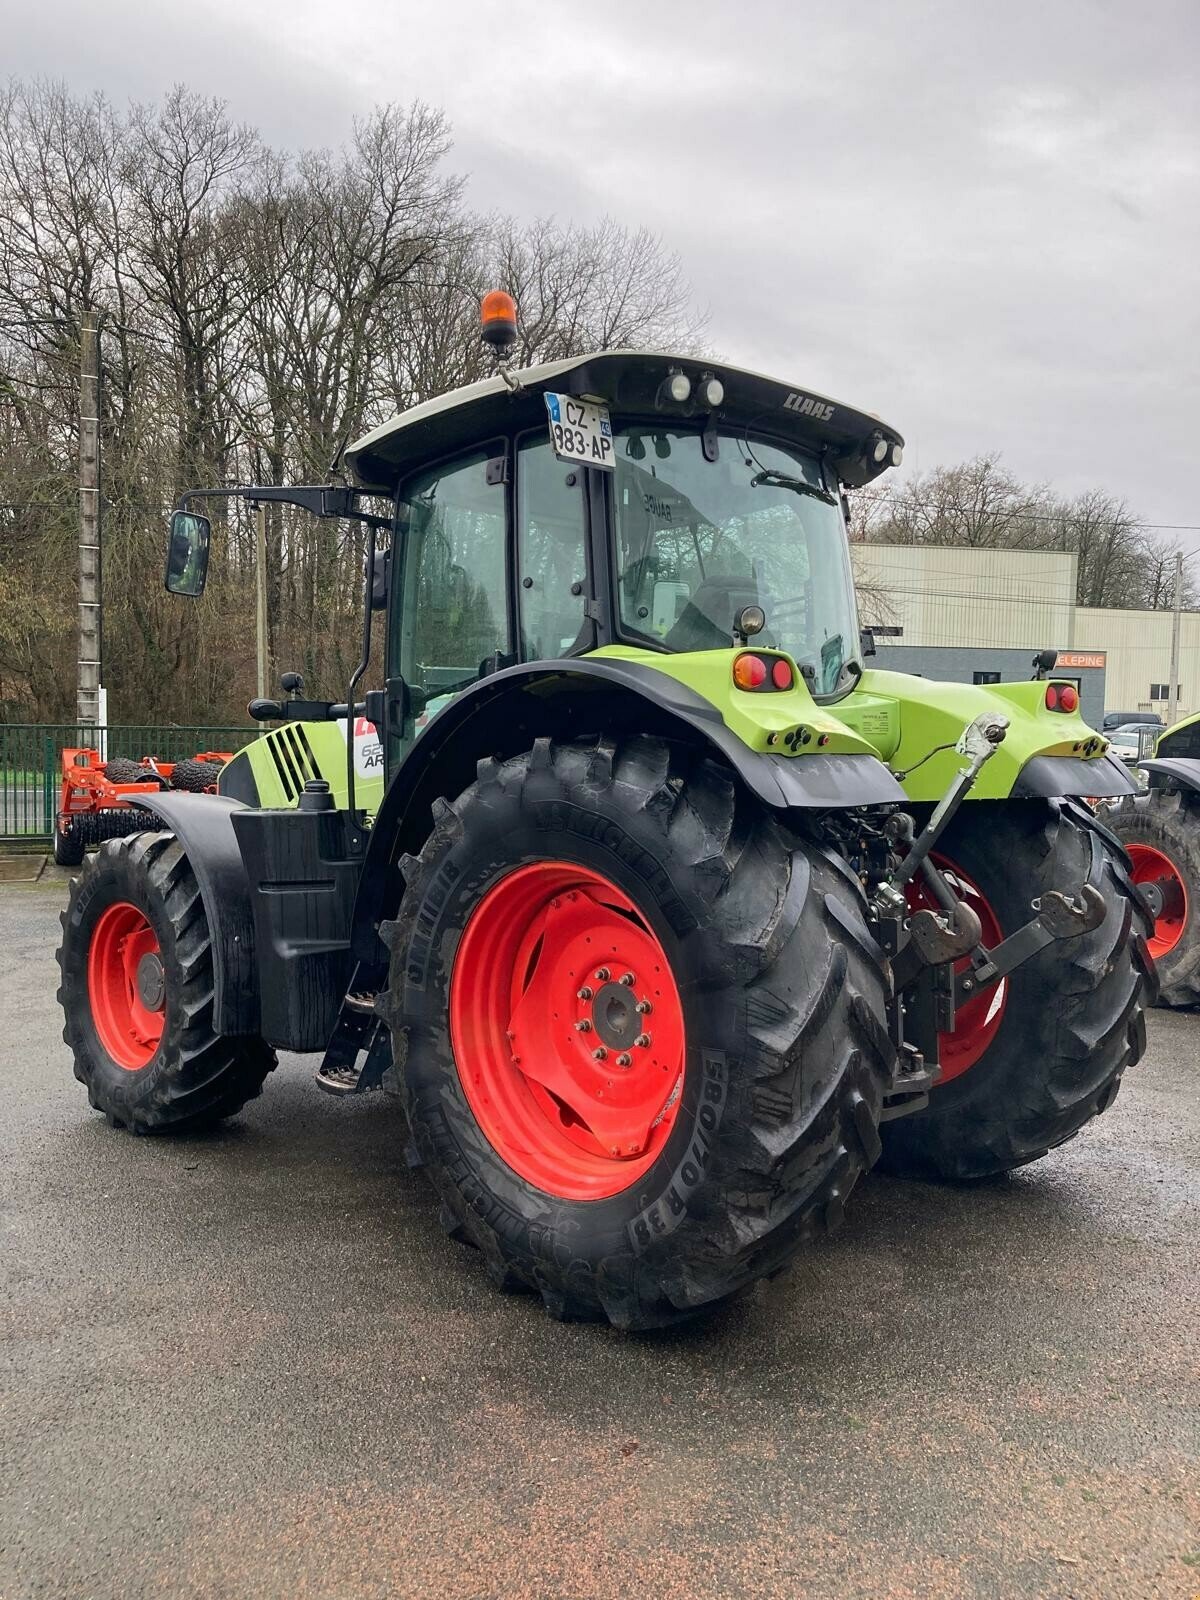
x=980, y=603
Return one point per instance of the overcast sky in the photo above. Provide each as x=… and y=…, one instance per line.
x=978, y=218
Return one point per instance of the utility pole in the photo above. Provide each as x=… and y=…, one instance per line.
x=1173, y=686
x=260, y=594
x=87, y=698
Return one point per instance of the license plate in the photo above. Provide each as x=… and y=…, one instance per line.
x=580, y=431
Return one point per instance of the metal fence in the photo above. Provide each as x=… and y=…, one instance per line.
x=30, y=771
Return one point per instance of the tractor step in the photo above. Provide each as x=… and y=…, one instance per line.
x=359, y=1052
x=340, y=1079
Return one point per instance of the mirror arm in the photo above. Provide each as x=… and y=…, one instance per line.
x=319, y=500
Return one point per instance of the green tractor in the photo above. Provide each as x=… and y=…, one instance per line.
x=1158, y=827
x=662, y=912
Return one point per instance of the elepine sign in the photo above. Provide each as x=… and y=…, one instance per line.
x=1081, y=658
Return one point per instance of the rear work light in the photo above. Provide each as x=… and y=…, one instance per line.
x=1062, y=697
x=763, y=674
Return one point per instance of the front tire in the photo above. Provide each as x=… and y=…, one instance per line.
x=1035, y=1060
x=137, y=994
x=756, y=1096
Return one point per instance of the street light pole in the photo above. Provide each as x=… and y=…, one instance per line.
x=87, y=692
x=260, y=597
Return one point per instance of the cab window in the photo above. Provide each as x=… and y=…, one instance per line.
x=551, y=558
x=453, y=615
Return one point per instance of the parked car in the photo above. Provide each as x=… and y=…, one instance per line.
x=1122, y=719
x=1133, y=740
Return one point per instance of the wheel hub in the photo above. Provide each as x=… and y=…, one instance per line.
x=151, y=981
x=552, y=991
x=1161, y=886
x=615, y=1016
x=126, y=985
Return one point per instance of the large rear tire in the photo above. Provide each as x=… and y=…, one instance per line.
x=1038, y=1056
x=628, y=886
x=1161, y=834
x=137, y=994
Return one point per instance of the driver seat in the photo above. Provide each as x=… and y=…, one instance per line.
x=706, y=621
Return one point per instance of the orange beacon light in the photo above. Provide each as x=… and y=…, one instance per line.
x=498, y=320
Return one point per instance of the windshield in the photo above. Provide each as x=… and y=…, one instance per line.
x=699, y=539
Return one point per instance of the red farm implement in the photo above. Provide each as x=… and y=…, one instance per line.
x=99, y=799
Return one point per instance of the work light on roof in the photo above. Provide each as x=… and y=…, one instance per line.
x=675, y=389
x=710, y=391
x=879, y=448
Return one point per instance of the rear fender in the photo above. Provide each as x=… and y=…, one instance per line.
x=1165, y=771
x=503, y=715
x=203, y=824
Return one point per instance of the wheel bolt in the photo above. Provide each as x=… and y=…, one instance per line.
x=584, y=994
x=644, y=1008
x=643, y=1039
x=583, y=1027
x=624, y=1059
x=628, y=979
x=603, y=974
x=599, y=1054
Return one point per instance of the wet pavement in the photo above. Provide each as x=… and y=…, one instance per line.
x=249, y=1364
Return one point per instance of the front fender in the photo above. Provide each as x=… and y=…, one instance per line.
x=203, y=824
x=503, y=715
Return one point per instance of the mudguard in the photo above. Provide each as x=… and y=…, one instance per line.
x=1179, y=770
x=203, y=824
x=1047, y=776
x=504, y=713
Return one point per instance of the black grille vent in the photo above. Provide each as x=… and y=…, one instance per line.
x=294, y=761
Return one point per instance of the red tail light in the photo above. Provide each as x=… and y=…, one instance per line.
x=1062, y=697
x=749, y=672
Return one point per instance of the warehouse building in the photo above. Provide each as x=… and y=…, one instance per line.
x=979, y=616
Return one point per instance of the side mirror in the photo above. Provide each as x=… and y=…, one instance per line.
x=187, y=553
x=382, y=576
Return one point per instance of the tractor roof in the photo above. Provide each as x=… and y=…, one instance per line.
x=628, y=381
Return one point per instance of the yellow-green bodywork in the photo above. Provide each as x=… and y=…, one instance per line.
x=893, y=715
x=899, y=718
x=283, y=760
x=1182, y=738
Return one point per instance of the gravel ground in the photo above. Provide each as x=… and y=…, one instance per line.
x=250, y=1365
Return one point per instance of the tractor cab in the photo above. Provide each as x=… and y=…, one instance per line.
x=624, y=505
x=621, y=500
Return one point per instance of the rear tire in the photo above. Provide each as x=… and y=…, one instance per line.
x=137, y=994
x=1073, y=1017
x=1163, y=824
x=781, y=994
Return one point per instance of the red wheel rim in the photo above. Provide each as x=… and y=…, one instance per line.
x=555, y=964
x=125, y=985
x=977, y=1022
x=1152, y=866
